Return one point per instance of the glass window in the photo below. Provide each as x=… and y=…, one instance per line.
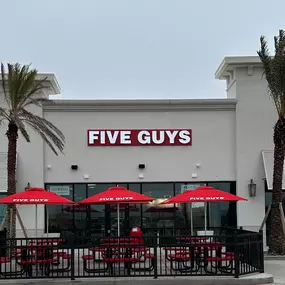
x=3, y=208
x=155, y=215
x=97, y=219
x=220, y=214
x=184, y=210
x=59, y=217
x=136, y=187
x=79, y=213
x=133, y=216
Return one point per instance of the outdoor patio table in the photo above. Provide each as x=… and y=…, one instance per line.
x=44, y=255
x=191, y=239
x=129, y=247
x=181, y=256
x=201, y=246
x=190, y=252
x=6, y=260
x=31, y=255
x=45, y=241
x=207, y=249
x=120, y=240
x=112, y=248
x=218, y=260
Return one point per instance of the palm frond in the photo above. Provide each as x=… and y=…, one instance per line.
x=3, y=114
x=4, y=85
x=44, y=135
x=48, y=131
x=21, y=88
x=21, y=126
x=32, y=117
x=274, y=70
x=30, y=90
x=22, y=84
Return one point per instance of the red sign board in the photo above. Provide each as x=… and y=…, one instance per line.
x=161, y=137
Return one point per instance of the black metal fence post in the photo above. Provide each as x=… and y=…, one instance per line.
x=3, y=243
x=72, y=244
x=236, y=253
x=261, y=251
x=155, y=255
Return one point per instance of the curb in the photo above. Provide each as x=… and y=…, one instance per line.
x=263, y=278
x=274, y=257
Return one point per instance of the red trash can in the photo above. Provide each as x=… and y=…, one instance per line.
x=137, y=234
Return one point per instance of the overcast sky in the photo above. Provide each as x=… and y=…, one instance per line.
x=135, y=48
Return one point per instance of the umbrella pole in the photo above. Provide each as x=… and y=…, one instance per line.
x=36, y=220
x=11, y=221
x=191, y=219
x=118, y=217
x=47, y=220
x=205, y=208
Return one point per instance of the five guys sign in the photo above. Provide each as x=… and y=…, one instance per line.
x=162, y=137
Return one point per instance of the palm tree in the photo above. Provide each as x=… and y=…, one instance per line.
x=22, y=89
x=274, y=71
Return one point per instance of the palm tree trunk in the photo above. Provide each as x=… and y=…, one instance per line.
x=12, y=135
x=277, y=238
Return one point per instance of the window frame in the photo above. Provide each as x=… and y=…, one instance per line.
x=232, y=191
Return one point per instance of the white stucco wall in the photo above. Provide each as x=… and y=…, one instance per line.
x=213, y=147
x=255, y=118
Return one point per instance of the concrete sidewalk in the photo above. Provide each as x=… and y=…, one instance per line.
x=201, y=280
x=277, y=269
x=274, y=268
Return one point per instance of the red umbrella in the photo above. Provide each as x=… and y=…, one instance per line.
x=35, y=196
x=203, y=194
x=117, y=195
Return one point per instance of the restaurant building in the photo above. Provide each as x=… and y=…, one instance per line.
x=155, y=147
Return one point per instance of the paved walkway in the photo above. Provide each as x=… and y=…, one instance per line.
x=277, y=269
x=274, y=267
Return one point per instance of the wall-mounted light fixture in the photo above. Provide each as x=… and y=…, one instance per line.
x=252, y=188
x=28, y=186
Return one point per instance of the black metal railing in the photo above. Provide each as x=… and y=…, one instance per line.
x=153, y=256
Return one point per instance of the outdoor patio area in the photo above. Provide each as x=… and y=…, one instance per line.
x=228, y=252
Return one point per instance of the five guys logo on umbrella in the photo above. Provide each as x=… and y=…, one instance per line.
x=30, y=200
x=162, y=137
x=206, y=198
x=117, y=199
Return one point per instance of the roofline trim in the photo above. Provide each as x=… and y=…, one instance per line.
x=235, y=61
x=141, y=105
